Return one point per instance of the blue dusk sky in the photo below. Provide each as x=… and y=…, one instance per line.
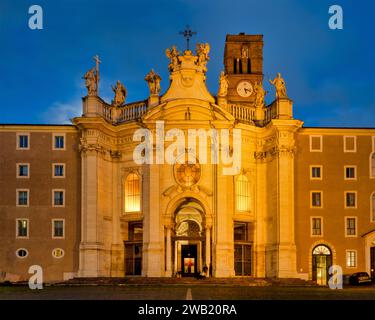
x=330, y=74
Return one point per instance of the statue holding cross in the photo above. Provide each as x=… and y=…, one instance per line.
x=92, y=78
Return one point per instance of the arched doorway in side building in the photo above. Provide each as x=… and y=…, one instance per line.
x=321, y=262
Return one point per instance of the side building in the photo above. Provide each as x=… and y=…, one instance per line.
x=335, y=201
x=40, y=200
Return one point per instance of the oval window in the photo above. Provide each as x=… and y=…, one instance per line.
x=22, y=253
x=58, y=253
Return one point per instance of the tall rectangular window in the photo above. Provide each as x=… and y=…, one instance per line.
x=22, y=197
x=58, y=141
x=350, y=199
x=350, y=172
x=351, y=226
x=58, y=170
x=316, y=172
x=316, y=143
x=23, y=141
x=58, y=198
x=242, y=190
x=372, y=206
x=22, y=228
x=350, y=144
x=22, y=170
x=316, y=199
x=132, y=193
x=58, y=229
x=316, y=226
x=242, y=249
x=351, y=258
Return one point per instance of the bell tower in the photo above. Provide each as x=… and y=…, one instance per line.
x=243, y=62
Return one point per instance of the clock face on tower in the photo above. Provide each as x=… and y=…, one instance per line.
x=244, y=89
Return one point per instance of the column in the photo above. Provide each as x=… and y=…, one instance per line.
x=90, y=246
x=208, y=248
x=223, y=245
x=287, y=253
x=153, y=235
x=168, y=272
x=117, y=247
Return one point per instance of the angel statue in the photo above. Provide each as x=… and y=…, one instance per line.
x=202, y=50
x=91, y=81
x=172, y=54
x=259, y=94
x=223, y=85
x=153, y=81
x=120, y=94
x=279, y=84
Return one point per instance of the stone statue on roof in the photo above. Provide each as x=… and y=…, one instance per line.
x=120, y=94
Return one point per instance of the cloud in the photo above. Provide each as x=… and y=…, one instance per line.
x=62, y=112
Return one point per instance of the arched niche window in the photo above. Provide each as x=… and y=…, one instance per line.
x=372, y=206
x=321, y=250
x=132, y=193
x=372, y=165
x=242, y=189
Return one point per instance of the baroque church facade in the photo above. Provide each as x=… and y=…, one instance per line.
x=78, y=202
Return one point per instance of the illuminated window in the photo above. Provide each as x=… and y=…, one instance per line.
x=321, y=250
x=372, y=164
x=132, y=193
x=22, y=226
x=351, y=226
x=316, y=226
x=373, y=207
x=58, y=253
x=351, y=258
x=242, y=193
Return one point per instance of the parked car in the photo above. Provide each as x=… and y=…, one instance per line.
x=359, y=278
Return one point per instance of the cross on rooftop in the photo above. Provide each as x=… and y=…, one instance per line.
x=187, y=33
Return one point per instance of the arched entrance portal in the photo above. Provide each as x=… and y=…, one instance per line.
x=191, y=246
x=321, y=262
